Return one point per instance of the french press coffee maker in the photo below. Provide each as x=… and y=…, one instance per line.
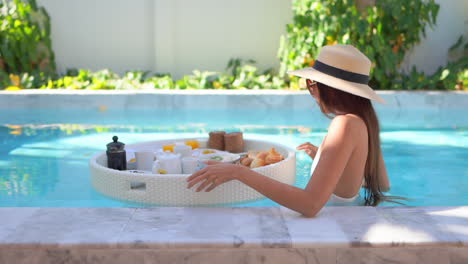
x=116, y=156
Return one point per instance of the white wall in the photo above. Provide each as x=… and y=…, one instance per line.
x=96, y=34
x=432, y=52
x=205, y=34
x=178, y=36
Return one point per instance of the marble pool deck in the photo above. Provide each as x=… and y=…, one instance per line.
x=234, y=235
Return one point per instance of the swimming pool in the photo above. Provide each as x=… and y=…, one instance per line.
x=44, y=153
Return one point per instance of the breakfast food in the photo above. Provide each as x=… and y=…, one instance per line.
x=257, y=162
x=252, y=154
x=169, y=147
x=221, y=147
x=273, y=157
x=255, y=159
x=193, y=143
x=246, y=161
x=217, y=158
x=216, y=140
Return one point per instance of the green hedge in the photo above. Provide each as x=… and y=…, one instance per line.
x=242, y=75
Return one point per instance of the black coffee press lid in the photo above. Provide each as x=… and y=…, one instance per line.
x=115, y=146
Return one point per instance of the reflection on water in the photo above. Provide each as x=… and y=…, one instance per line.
x=25, y=176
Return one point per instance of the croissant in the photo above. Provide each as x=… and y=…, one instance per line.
x=252, y=154
x=246, y=161
x=262, y=155
x=273, y=157
x=257, y=163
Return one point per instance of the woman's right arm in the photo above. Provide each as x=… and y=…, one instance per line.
x=309, y=148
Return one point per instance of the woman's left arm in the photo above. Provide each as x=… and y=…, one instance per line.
x=335, y=153
x=287, y=195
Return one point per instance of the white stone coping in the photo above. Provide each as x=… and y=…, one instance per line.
x=232, y=228
x=206, y=91
x=150, y=91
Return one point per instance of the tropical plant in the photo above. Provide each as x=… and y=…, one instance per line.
x=162, y=81
x=25, y=43
x=384, y=32
x=452, y=76
x=245, y=76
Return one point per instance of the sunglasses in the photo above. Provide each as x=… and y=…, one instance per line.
x=311, y=86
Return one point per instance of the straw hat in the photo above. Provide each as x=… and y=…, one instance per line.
x=342, y=67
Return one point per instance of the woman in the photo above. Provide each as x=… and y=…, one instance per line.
x=349, y=156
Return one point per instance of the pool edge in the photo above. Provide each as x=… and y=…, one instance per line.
x=235, y=231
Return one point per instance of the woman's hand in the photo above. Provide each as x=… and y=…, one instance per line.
x=214, y=175
x=309, y=148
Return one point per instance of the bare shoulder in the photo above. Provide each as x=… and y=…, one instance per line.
x=350, y=123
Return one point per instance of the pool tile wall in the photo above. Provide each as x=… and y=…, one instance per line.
x=209, y=99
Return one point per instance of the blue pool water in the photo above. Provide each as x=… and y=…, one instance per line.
x=44, y=153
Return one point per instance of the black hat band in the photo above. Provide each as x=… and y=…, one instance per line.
x=341, y=74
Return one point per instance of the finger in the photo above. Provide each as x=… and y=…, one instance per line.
x=196, y=174
x=305, y=148
x=193, y=176
x=303, y=144
x=207, y=182
x=197, y=180
x=307, y=144
x=213, y=185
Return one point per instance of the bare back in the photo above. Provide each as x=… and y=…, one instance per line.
x=352, y=177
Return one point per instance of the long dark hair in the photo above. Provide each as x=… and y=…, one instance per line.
x=334, y=101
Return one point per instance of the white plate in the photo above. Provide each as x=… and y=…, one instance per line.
x=221, y=156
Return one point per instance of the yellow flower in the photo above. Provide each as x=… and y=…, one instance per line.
x=331, y=40
x=15, y=79
x=13, y=88
x=217, y=84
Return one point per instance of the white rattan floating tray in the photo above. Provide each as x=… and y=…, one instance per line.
x=171, y=189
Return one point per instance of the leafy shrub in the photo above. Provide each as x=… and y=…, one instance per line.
x=245, y=76
x=384, y=32
x=25, y=44
x=453, y=76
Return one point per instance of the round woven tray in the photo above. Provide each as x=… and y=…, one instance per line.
x=171, y=189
